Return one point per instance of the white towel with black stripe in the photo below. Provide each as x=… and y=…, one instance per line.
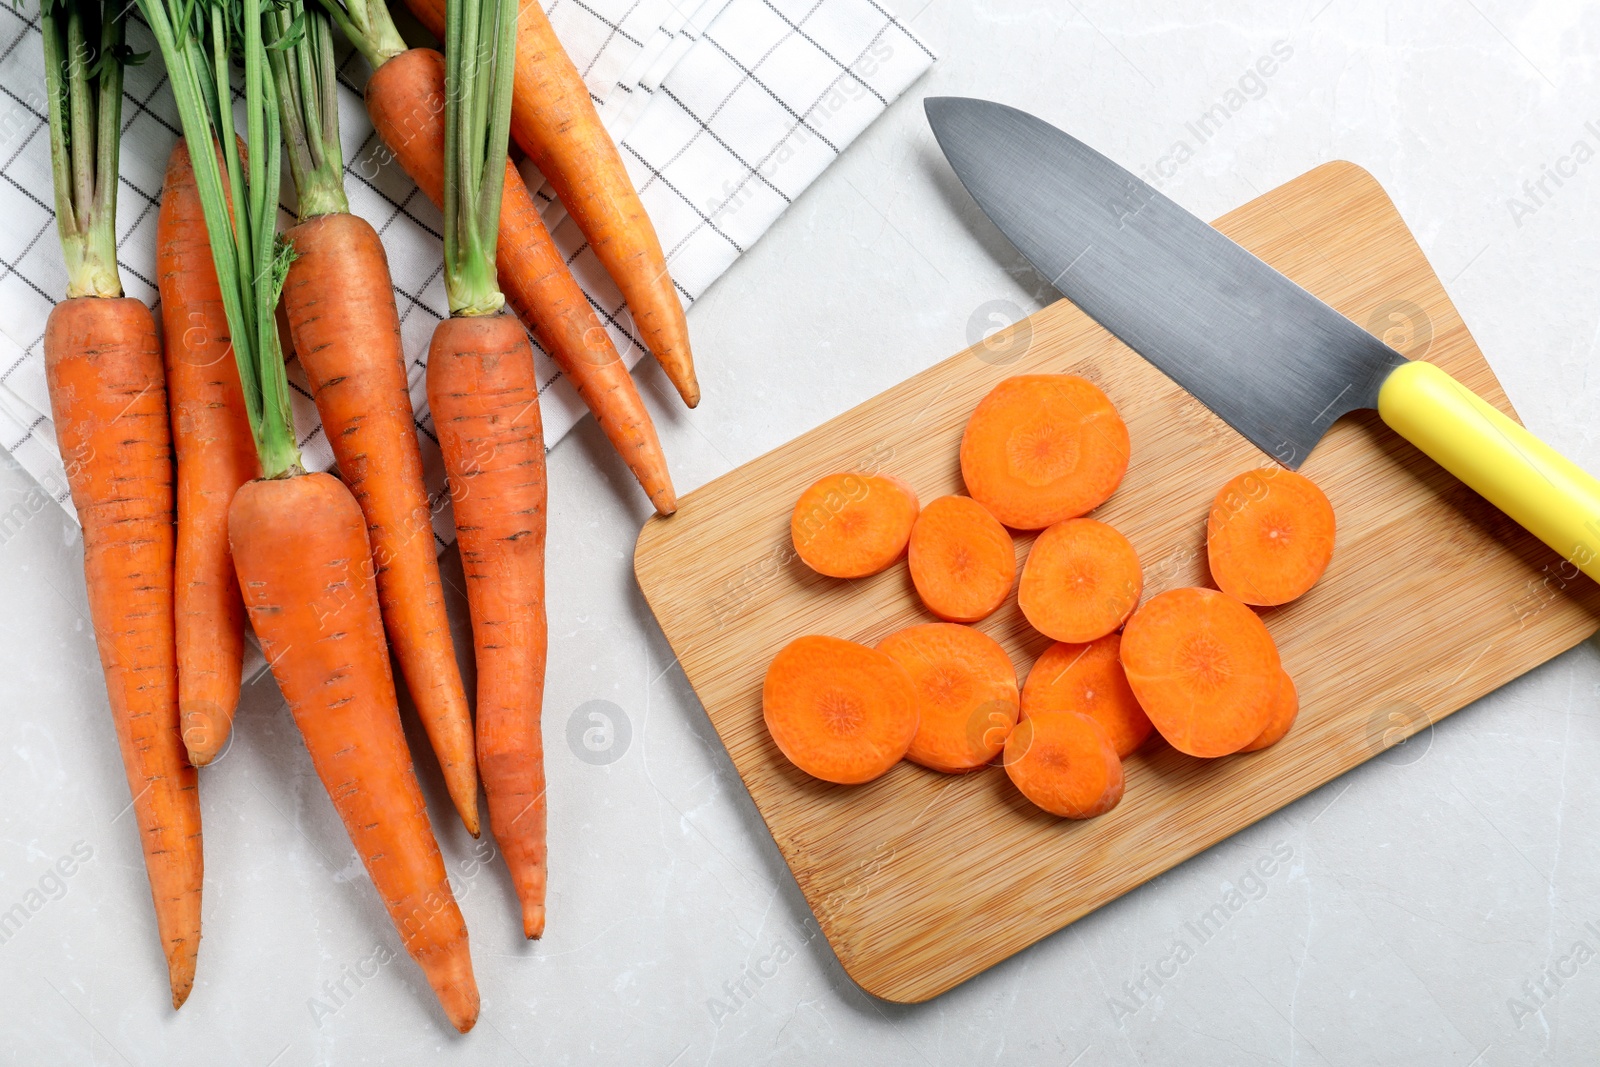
x=725, y=111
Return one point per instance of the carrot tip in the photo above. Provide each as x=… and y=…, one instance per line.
x=533, y=921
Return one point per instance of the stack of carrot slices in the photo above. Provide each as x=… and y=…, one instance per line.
x=1197, y=666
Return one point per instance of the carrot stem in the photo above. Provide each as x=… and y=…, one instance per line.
x=83, y=76
x=301, y=51
x=368, y=25
x=197, y=43
x=480, y=45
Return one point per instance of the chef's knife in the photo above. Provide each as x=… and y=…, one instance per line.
x=1270, y=359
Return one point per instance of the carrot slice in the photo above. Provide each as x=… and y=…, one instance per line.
x=1042, y=448
x=1270, y=536
x=962, y=560
x=840, y=711
x=966, y=694
x=1064, y=762
x=1081, y=581
x=851, y=525
x=1089, y=679
x=1203, y=667
x=1285, y=706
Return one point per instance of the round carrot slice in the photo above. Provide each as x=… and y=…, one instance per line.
x=1089, y=679
x=851, y=525
x=1081, y=581
x=1203, y=667
x=1270, y=536
x=962, y=560
x=1041, y=448
x=1063, y=762
x=1285, y=706
x=839, y=710
x=966, y=694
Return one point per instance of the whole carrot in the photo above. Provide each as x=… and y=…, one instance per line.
x=109, y=404
x=346, y=332
x=554, y=120
x=485, y=403
x=299, y=540
x=405, y=99
x=215, y=454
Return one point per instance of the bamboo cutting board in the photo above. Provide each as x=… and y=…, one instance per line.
x=921, y=880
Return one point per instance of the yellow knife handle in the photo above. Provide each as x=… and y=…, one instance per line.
x=1547, y=494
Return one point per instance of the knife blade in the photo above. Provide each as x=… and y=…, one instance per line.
x=1273, y=361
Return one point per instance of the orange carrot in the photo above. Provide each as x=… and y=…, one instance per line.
x=1269, y=536
x=966, y=694
x=484, y=397
x=405, y=99
x=1089, y=679
x=216, y=455
x=1204, y=668
x=1042, y=448
x=108, y=401
x=1285, y=706
x=1081, y=581
x=103, y=362
x=839, y=711
x=555, y=122
x=961, y=559
x=300, y=546
x=339, y=303
x=852, y=525
x=1064, y=762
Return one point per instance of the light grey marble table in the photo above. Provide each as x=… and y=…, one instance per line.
x=1440, y=905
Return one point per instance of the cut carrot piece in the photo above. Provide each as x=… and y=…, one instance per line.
x=840, y=711
x=1270, y=536
x=1285, y=706
x=966, y=694
x=1081, y=581
x=1204, y=668
x=852, y=525
x=1064, y=762
x=1089, y=679
x=962, y=560
x=1042, y=448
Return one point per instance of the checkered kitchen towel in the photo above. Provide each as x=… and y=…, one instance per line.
x=725, y=111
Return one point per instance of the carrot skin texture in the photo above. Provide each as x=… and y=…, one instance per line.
x=300, y=546
x=554, y=120
x=216, y=455
x=108, y=399
x=405, y=100
x=346, y=332
x=485, y=403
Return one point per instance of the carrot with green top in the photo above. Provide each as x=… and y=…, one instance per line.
x=346, y=332
x=484, y=396
x=555, y=122
x=299, y=540
x=108, y=400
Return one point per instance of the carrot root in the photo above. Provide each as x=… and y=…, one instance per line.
x=485, y=403
x=839, y=711
x=852, y=525
x=1088, y=678
x=1081, y=581
x=300, y=546
x=340, y=306
x=1269, y=536
x=108, y=400
x=962, y=561
x=966, y=692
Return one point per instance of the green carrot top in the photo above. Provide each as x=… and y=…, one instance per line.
x=480, y=52
x=300, y=45
x=369, y=27
x=199, y=42
x=84, y=55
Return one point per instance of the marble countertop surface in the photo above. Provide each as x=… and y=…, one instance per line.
x=1439, y=905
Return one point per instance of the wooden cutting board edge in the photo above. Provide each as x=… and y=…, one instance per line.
x=929, y=986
